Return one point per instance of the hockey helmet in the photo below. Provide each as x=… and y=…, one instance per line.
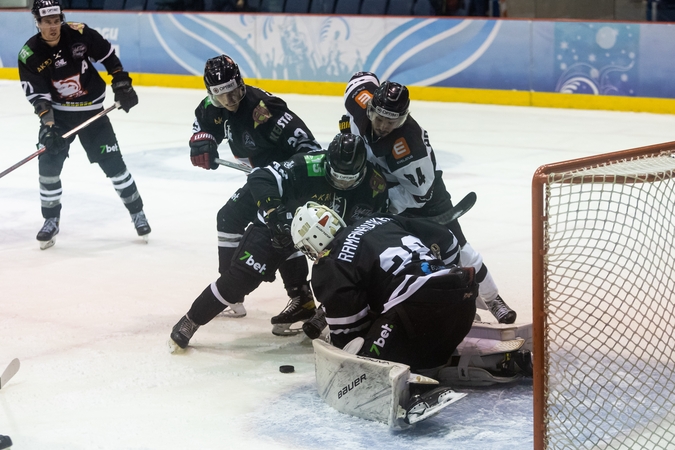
x=389, y=105
x=44, y=8
x=346, y=161
x=314, y=226
x=223, y=82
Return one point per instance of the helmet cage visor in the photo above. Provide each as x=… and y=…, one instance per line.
x=227, y=94
x=345, y=182
x=391, y=118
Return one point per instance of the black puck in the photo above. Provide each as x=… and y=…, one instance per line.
x=286, y=369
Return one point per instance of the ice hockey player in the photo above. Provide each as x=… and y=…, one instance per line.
x=400, y=147
x=339, y=177
x=389, y=285
x=60, y=81
x=260, y=129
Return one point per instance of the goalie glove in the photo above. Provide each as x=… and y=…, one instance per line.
x=204, y=150
x=345, y=127
x=124, y=92
x=278, y=220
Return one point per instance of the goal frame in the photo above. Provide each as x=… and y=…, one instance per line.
x=539, y=318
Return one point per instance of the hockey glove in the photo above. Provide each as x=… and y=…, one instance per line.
x=345, y=127
x=204, y=150
x=279, y=220
x=124, y=92
x=50, y=137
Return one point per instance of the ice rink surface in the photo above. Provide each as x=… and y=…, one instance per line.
x=90, y=317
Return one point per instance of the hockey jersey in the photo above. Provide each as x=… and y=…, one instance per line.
x=262, y=129
x=375, y=264
x=405, y=155
x=64, y=75
x=303, y=178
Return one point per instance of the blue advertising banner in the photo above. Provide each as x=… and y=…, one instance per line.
x=603, y=59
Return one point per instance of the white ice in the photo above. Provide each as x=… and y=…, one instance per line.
x=90, y=317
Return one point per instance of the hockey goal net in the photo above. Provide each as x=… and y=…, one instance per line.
x=604, y=301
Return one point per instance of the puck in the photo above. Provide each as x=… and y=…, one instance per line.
x=286, y=369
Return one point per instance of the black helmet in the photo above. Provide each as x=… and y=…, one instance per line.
x=44, y=8
x=346, y=161
x=390, y=101
x=223, y=81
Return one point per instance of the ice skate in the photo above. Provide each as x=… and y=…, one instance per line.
x=426, y=405
x=233, y=311
x=5, y=442
x=141, y=224
x=46, y=234
x=315, y=326
x=300, y=308
x=181, y=334
x=501, y=310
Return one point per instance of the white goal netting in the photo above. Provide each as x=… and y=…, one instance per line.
x=609, y=305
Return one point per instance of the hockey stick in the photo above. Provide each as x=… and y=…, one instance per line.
x=456, y=211
x=43, y=149
x=233, y=165
x=9, y=372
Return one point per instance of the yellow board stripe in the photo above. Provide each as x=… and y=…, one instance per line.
x=461, y=95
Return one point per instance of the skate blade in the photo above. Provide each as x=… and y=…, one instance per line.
x=425, y=412
x=174, y=348
x=284, y=329
x=146, y=238
x=44, y=245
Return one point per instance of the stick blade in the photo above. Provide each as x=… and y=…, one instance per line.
x=9, y=372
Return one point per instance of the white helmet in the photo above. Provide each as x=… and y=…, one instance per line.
x=314, y=226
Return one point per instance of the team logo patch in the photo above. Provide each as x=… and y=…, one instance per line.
x=76, y=26
x=78, y=50
x=362, y=98
x=248, y=140
x=261, y=114
x=69, y=87
x=315, y=165
x=400, y=149
x=25, y=53
x=377, y=183
x=60, y=63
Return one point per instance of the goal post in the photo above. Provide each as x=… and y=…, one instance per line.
x=603, y=280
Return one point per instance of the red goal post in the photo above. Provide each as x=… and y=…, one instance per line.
x=603, y=270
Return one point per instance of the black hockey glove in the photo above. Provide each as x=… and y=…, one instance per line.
x=204, y=150
x=345, y=127
x=50, y=137
x=279, y=220
x=124, y=92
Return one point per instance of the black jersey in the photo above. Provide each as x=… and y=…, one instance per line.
x=405, y=155
x=303, y=178
x=64, y=75
x=375, y=264
x=262, y=129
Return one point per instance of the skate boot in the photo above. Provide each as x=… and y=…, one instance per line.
x=5, y=442
x=501, y=310
x=423, y=406
x=182, y=332
x=300, y=307
x=141, y=224
x=47, y=232
x=314, y=326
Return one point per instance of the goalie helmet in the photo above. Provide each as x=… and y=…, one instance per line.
x=314, y=226
x=388, y=109
x=346, y=161
x=223, y=82
x=44, y=8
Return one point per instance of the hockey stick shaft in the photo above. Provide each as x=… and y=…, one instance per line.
x=456, y=211
x=43, y=149
x=233, y=165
